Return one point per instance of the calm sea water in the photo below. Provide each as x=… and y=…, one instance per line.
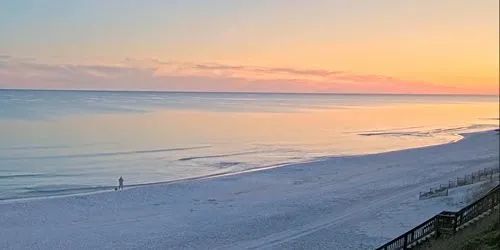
x=64, y=142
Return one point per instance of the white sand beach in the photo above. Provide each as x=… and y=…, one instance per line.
x=356, y=202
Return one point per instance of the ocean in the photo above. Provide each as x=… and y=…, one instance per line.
x=68, y=142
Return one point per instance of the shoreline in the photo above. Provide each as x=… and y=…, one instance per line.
x=356, y=202
x=241, y=92
x=106, y=189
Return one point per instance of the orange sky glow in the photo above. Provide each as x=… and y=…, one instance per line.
x=386, y=46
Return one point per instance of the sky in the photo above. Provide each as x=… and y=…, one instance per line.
x=340, y=46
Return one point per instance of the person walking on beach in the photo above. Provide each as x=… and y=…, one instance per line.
x=120, y=183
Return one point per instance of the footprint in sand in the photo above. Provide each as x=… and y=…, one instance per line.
x=212, y=201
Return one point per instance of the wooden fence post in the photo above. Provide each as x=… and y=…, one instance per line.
x=405, y=243
x=446, y=223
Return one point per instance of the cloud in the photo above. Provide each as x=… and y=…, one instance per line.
x=243, y=71
x=133, y=74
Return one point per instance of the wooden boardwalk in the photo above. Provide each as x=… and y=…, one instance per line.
x=447, y=223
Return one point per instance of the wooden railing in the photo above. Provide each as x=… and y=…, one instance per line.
x=474, y=210
x=446, y=222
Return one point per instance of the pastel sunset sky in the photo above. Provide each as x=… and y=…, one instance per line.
x=355, y=46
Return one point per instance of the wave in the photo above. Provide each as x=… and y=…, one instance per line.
x=387, y=130
x=21, y=176
x=227, y=164
x=56, y=146
x=71, y=156
x=218, y=156
x=427, y=133
x=462, y=129
x=35, y=147
x=58, y=189
x=238, y=154
x=14, y=176
x=418, y=134
x=55, y=190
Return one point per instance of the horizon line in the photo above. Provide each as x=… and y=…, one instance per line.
x=244, y=92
